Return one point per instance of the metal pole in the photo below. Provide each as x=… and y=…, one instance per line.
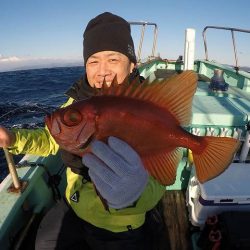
x=235, y=50
x=155, y=40
x=232, y=32
x=205, y=43
x=141, y=41
x=12, y=169
x=144, y=24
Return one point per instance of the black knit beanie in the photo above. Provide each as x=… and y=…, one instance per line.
x=108, y=32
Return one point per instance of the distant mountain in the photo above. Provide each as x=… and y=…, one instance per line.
x=247, y=69
x=22, y=64
x=242, y=68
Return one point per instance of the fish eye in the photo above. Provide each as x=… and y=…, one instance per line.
x=72, y=118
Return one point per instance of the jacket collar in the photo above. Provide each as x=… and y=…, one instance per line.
x=80, y=89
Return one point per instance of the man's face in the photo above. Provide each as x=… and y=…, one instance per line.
x=105, y=65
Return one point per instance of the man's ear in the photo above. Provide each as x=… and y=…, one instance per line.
x=132, y=66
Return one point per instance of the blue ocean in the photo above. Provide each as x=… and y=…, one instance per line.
x=26, y=96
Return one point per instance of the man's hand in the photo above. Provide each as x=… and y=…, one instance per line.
x=7, y=138
x=117, y=172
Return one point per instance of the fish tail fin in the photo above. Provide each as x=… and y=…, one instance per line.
x=215, y=158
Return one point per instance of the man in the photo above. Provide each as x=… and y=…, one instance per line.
x=108, y=191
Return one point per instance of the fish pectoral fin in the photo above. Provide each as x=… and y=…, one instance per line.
x=215, y=158
x=163, y=166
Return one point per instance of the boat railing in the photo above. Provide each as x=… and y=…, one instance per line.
x=144, y=24
x=233, y=40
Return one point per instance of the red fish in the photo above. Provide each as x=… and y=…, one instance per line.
x=149, y=117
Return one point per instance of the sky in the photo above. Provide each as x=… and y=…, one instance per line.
x=35, y=33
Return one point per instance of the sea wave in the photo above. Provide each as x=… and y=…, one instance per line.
x=27, y=95
x=29, y=115
x=26, y=116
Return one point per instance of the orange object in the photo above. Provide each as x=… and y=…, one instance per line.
x=149, y=117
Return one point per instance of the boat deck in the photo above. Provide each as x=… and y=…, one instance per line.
x=176, y=220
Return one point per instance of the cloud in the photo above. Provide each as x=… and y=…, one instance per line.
x=19, y=63
x=9, y=59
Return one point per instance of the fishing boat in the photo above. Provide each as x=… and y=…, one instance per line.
x=221, y=107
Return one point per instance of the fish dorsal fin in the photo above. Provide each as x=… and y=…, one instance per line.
x=173, y=94
x=163, y=166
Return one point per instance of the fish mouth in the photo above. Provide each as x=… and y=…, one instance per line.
x=84, y=145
